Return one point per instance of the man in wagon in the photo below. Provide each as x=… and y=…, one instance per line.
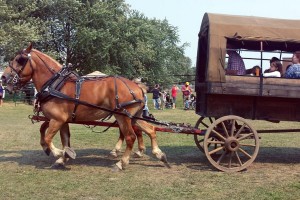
x=235, y=65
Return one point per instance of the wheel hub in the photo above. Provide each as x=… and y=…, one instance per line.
x=232, y=144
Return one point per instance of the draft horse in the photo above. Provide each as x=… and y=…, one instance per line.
x=91, y=100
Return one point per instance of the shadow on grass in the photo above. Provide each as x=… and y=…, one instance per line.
x=189, y=156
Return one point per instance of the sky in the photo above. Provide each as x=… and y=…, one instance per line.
x=187, y=15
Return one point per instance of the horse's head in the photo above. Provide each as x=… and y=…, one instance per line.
x=19, y=71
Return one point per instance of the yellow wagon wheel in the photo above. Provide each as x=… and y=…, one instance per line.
x=237, y=140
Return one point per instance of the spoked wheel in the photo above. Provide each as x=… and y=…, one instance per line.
x=199, y=139
x=237, y=144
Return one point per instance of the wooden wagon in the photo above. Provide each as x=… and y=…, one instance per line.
x=231, y=143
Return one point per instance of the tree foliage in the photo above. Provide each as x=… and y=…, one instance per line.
x=104, y=35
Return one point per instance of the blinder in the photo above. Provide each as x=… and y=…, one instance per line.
x=22, y=60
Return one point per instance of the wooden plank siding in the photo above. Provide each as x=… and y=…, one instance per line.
x=278, y=98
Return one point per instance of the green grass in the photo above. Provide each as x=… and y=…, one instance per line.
x=25, y=169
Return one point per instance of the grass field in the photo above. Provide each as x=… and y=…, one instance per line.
x=25, y=171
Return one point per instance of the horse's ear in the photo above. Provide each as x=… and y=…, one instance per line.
x=28, y=48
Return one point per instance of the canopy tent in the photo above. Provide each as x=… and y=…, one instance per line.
x=245, y=32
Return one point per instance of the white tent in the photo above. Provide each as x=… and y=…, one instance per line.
x=95, y=74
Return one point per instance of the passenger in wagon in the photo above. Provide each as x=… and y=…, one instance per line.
x=235, y=65
x=275, y=69
x=273, y=59
x=254, y=71
x=294, y=70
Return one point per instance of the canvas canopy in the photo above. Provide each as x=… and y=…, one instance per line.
x=245, y=32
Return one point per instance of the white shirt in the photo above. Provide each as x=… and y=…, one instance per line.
x=272, y=74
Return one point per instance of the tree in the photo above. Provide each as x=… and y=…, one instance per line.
x=102, y=35
x=17, y=27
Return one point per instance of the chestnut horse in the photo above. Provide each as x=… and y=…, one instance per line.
x=103, y=93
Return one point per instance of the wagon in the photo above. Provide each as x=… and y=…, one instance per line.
x=231, y=142
x=226, y=104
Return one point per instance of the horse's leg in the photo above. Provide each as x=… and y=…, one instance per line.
x=150, y=131
x=43, y=130
x=118, y=146
x=65, y=141
x=141, y=145
x=54, y=126
x=129, y=135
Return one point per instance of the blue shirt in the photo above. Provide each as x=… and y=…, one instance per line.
x=293, y=71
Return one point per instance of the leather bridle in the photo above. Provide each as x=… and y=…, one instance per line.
x=16, y=74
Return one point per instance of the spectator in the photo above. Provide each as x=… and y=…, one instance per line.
x=164, y=99
x=156, y=100
x=186, y=92
x=294, y=70
x=174, y=95
x=235, y=65
x=146, y=109
x=1, y=94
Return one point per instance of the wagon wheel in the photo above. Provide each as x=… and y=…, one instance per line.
x=200, y=138
x=238, y=144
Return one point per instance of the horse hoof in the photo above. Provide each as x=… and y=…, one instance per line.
x=113, y=154
x=70, y=153
x=118, y=167
x=165, y=161
x=47, y=151
x=138, y=154
x=115, y=168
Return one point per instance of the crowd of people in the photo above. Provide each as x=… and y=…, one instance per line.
x=163, y=99
x=236, y=66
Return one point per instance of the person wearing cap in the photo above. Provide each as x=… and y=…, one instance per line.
x=186, y=93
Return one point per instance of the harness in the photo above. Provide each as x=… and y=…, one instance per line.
x=53, y=86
